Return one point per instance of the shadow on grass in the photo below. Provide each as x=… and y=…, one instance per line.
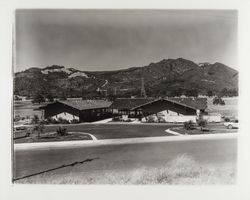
x=62, y=166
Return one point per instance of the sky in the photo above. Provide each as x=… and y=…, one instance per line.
x=97, y=40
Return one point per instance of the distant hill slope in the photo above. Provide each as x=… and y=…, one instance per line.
x=165, y=77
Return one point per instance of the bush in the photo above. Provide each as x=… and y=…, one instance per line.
x=17, y=118
x=189, y=125
x=116, y=119
x=202, y=123
x=62, y=121
x=227, y=119
x=161, y=120
x=218, y=101
x=74, y=121
x=39, y=129
x=150, y=119
x=51, y=121
x=62, y=131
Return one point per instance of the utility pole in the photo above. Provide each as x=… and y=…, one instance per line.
x=143, y=92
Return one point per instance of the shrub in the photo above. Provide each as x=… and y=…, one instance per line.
x=39, y=129
x=62, y=131
x=189, y=125
x=202, y=123
x=227, y=119
x=150, y=119
x=17, y=118
x=116, y=119
x=161, y=120
x=62, y=121
x=52, y=121
x=218, y=101
x=74, y=121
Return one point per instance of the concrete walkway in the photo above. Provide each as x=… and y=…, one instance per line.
x=88, y=143
x=173, y=132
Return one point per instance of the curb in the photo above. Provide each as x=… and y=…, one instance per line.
x=92, y=143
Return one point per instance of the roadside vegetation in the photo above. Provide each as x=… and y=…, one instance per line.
x=183, y=170
x=37, y=132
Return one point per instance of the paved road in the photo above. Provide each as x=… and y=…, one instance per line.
x=124, y=156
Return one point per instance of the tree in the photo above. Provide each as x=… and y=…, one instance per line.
x=192, y=93
x=50, y=97
x=39, y=129
x=189, y=125
x=210, y=93
x=218, y=101
x=202, y=123
x=38, y=98
x=175, y=93
x=35, y=119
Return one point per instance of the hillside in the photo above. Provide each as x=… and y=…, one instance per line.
x=168, y=77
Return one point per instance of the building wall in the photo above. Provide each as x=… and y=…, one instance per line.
x=171, y=116
x=95, y=114
x=66, y=116
x=162, y=105
x=58, y=108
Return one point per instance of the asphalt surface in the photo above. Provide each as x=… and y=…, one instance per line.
x=125, y=156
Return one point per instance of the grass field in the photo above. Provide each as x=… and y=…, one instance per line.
x=228, y=110
x=26, y=108
x=181, y=170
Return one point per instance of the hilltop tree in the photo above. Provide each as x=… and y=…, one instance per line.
x=50, y=97
x=218, y=101
x=210, y=93
x=192, y=93
x=38, y=98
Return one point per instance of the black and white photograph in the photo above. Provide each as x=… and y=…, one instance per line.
x=125, y=97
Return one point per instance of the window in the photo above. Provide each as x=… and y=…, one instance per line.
x=132, y=112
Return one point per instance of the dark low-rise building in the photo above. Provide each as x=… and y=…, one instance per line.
x=82, y=110
x=171, y=108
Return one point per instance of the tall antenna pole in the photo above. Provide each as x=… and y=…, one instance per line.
x=143, y=92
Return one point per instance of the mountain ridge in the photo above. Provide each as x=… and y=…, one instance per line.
x=161, y=78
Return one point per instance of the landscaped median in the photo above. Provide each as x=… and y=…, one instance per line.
x=98, y=131
x=50, y=133
x=212, y=128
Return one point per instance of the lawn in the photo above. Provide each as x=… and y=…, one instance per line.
x=100, y=131
x=228, y=110
x=181, y=170
x=115, y=131
x=52, y=137
x=212, y=128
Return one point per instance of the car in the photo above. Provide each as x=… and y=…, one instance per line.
x=232, y=124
